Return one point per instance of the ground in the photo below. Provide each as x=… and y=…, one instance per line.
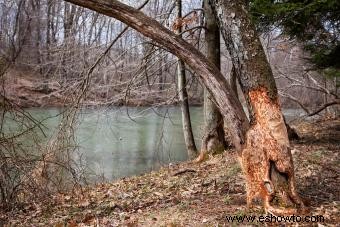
x=189, y=194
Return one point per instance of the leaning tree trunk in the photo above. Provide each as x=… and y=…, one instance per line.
x=209, y=74
x=214, y=138
x=183, y=95
x=266, y=158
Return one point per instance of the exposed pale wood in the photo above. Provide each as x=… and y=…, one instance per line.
x=266, y=159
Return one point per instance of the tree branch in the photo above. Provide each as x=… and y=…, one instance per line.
x=324, y=106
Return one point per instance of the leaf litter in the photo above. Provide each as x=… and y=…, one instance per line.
x=191, y=194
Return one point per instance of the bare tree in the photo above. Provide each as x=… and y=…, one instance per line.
x=183, y=95
x=214, y=137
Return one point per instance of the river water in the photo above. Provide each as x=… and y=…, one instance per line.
x=118, y=142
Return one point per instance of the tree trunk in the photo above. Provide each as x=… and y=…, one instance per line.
x=292, y=134
x=68, y=20
x=266, y=158
x=94, y=21
x=160, y=73
x=214, y=137
x=183, y=96
x=233, y=80
x=36, y=8
x=184, y=102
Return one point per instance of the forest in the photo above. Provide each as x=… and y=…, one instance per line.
x=169, y=113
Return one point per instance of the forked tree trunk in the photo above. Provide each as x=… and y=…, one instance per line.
x=266, y=159
x=183, y=95
x=214, y=138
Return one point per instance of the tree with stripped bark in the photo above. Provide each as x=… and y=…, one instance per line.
x=266, y=158
x=263, y=143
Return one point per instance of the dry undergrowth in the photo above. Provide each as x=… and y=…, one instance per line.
x=188, y=194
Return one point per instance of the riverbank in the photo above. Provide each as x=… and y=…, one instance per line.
x=25, y=89
x=190, y=194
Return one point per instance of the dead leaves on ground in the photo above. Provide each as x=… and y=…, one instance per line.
x=185, y=194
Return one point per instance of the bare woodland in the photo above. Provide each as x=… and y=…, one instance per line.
x=76, y=54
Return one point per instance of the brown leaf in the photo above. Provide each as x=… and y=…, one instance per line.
x=89, y=218
x=72, y=223
x=60, y=224
x=84, y=203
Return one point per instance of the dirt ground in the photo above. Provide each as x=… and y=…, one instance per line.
x=202, y=194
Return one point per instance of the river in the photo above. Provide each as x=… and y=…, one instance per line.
x=120, y=141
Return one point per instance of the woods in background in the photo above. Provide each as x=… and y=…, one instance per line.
x=53, y=56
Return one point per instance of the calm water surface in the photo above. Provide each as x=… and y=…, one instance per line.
x=116, y=144
x=121, y=142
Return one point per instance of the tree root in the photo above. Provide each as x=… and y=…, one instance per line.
x=202, y=157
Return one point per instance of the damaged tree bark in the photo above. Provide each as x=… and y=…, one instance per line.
x=266, y=159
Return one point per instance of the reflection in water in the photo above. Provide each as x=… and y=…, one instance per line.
x=115, y=146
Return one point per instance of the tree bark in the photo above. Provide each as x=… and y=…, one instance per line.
x=214, y=137
x=49, y=17
x=36, y=8
x=292, y=134
x=69, y=19
x=266, y=159
x=226, y=100
x=233, y=80
x=183, y=96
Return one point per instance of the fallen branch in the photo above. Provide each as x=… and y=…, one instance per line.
x=184, y=171
x=309, y=113
x=336, y=102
